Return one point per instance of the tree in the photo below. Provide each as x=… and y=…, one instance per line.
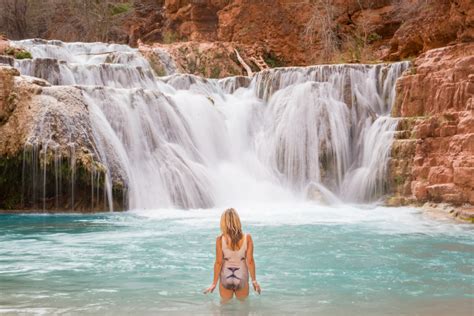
x=13, y=18
x=322, y=27
x=69, y=20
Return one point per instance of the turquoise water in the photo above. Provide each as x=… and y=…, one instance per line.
x=310, y=260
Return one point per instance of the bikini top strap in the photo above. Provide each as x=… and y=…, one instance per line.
x=244, y=245
x=224, y=244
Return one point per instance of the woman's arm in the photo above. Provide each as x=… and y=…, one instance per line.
x=217, y=265
x=251, y=264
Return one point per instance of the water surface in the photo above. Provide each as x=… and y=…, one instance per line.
x=310, y=259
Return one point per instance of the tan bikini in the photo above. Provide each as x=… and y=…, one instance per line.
x=234, y=273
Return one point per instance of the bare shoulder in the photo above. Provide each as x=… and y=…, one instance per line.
x=249, y=239
x=219, y=242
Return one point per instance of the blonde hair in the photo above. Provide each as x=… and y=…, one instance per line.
x=231, y=226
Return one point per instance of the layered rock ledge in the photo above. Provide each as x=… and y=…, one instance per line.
x=433, y=154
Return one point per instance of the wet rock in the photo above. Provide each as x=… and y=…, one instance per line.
x=48, y=157
x=314, y=194
x=464, y=213
x=231, y=84
x=404, y=148
x=7, y=60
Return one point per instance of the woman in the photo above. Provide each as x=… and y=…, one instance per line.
x=234, y=259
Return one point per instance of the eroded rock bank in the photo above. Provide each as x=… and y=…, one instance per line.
x=48, y=156
x=433, y=154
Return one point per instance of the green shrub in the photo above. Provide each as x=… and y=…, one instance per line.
x=170, y=37
x=273, y=61
x=120, y=8
x=215, y=72
x=399, y=180
x=373, y=37
x=23, y=54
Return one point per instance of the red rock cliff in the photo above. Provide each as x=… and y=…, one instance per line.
x=433, y=157
x=363, y=30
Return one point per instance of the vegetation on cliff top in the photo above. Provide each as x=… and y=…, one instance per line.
x=86, y=20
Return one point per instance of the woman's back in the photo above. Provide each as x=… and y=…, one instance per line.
x=234, y=272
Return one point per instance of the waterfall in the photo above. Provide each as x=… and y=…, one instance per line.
x=321, y=132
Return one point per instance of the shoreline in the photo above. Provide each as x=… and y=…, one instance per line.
x=460, y=214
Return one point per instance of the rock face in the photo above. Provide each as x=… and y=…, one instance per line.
x=288, y=32
x=45, y=136
x=433, y=157
x=147, y=22
x=364, y=30
x=431, y=24
x=205, y=59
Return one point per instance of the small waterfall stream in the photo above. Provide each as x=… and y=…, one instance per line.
x=320, y=132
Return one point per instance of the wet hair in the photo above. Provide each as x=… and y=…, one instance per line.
x=231, y=226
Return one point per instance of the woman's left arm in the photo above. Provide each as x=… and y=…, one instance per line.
x=251, y=264
x=217, y=266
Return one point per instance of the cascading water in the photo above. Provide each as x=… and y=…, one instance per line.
x=189, y=142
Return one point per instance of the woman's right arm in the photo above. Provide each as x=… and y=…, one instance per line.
x=217, y=266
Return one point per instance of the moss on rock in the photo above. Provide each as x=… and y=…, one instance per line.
x=33, y=181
